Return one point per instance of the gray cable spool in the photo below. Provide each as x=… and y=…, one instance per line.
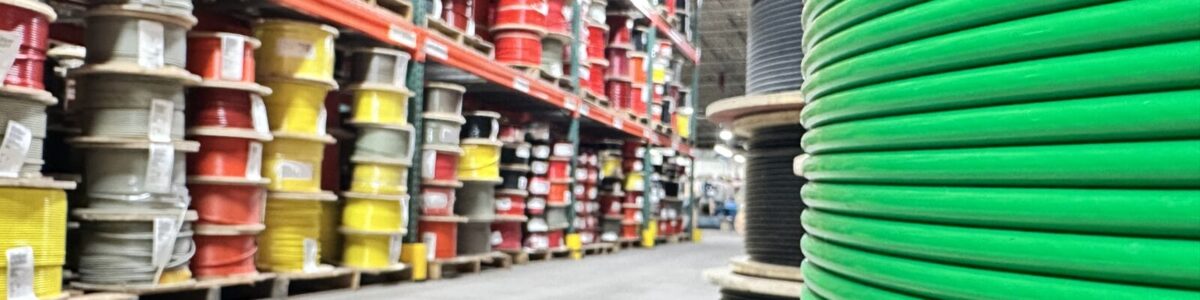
x=474, y=237
x=391, y=143
x=380, y=65
x=556, y=217
x=553, y=49
x=29, y=112
x=444, y=98
x=137, y=35
x=121, y=168
x=119, y=104
x=442, y=129
x=610, y=229
x=476, y=200
x=177, y=7
x=117, y=246
x=774, y=42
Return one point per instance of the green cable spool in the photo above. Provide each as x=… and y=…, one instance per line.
x=1074, y=31
x=925, y=20
x=948, y=281
x=1152, y=116
x=848, y=13
x=1167, y=213
x=814, y=9
x=1122, y=71
x=1148, y=261
x=827, y=285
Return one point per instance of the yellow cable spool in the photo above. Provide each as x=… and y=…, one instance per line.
x=371, y=250
x=291, y=218
x=610, y=165
x=294, y=49
x=374, y=213
x=35, y=218
x=293, y=162
x=480, y=160
x=379, y=103
x=634, y=181
x=296, y=106
x=374, y=178
x=330, y=240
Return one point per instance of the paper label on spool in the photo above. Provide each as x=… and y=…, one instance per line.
x=159, y=168
x=161, y=115
x=403, y=37
x=579, y=189
x=430, y=241
x=618, y=122
x=541, y=151
x=584, y=109
x=543, y=8
x=436, y=49
x=567, y=196
x=233, y=52
x=581, y=174
x=254, y=160
x=10, y=42
x=436, y=200
x=310, y=255
x=638, y=200
x=521, y=84
x=395, y=243
x=258, y=114
x=292, y=169
x=592, y=193
x=564, y=149
x=164, y=241
x=615, y=207
x=536, y=204
x=17, y=139
x=503, y=204
x=20, y=273
x=150, y=44
x=497, y=238
x=428, y=164
x=539, y=167
x=539, y=242
x=569, y=103
x=322, y=117
x=523, y=151
x=522, y=182
x=294, y=48
x=448, y=134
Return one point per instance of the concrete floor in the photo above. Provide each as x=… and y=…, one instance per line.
x=665, y=272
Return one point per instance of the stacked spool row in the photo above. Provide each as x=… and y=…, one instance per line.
x=479, y=170
x=960, y=159
x=33, y=216
x=512, y=195
x=546, y=207
x=611, y=194
x=587, y=192
x=669, y=187
x=136, y=228
x=560, y=194
x=636, y=192
x=441, y=157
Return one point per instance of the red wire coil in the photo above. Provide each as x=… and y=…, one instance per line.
x=556, y=238
x=618, y=64
x=515, y=207
x=219, y=108
x=482, y=13
x=618, y=92
x=558, y=193
x=520, y=15
x=457, y=12
x=447, y=237
x=510, y=235
x=559, y=170
x=441, y=208
x=519, y=48
x=223, y=256
x=636, y=103
x=220, y=156
x=597, y=40
x=596, y=84
x=32, y=30
x=620, y=32
x=585, y=73
x=556, y=20
x=228, y=204
x=445, y=166
x=220, y=22
x=204, y=58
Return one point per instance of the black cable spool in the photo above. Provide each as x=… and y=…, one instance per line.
x=727, y=294
x=773, y=47
x=772, y=203
x=515, y=154
x=481, y=125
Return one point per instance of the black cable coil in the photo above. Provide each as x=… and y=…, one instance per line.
x=738, y=295
x=773, y=47
x=772, y=201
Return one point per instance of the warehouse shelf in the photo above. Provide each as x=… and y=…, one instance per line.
x=648, y=11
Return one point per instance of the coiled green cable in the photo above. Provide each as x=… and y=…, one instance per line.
x=814, y=9
x=848, y=13
x=827, y=285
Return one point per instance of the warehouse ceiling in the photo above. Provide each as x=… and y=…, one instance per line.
x=723, y=67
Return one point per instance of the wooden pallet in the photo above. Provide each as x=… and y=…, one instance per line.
x=469, y=40
x=497, y=259
x=600, y=248
x=547, y=254
x=592, y=97
x=636, y=118
x=518, y=257
x=470, y=264
x=402, y=8
x=628, y=242
x=663, y=128
x=328, y=278
x=241, y=287
x=390, y=275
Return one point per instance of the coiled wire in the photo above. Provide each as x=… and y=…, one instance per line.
x=772, y=227
x=289, y=223
x=118, y=252
x=773, y=46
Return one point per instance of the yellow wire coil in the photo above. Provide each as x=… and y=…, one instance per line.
x=176, y=275
x=480, y=161
x=47, y=281
x=293, y=49
x=36, y=218
x=610, y=166
x=289, y=223
x=634, y=181
x=369, y=251
x=380, y=105
x=373, y=215
x=293, y=165
x=374, y=178
x=296, y=106
x=330, y=240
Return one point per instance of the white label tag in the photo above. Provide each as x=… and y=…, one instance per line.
x=17, y=139
x=428, y=164
x=523, y=151
x=161, y=115
x=564, y=149
x=543, y=8
x=254, y=160
x=539, y=167
x=503, y=204
x=585, y=74
x=401, y=36
x=430, y=241
x=536, y=204
x=295, y=48
x=10, y=42
x=165, y=233
x=581, y=175
x=258, y=114
x=20, y=273
x=322, y=117
x=159, y=168
x=449, y=134
x=497, y=238
x=618, y=122
x=615, y=207
x=647, y=132
x=150, y=44
x=569, y=103
x=584, y=109
x=395, y=243
x=233, y=52
x=436, y=50
x=522, y=182
x=541, y=151
x=539, y=187
x=521, y=84
x=311, y=252
x=579, y=189
x=539, y=242
x=436, y=200
x=293, y=169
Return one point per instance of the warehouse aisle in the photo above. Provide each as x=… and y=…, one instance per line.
x=667, y=272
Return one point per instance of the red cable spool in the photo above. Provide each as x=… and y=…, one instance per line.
x=629, y=230
x=585, y=73
x=620, y=32
x=559, y=191
x=631, y=197
x=220, y=156
x=228, y=204
x=555, y=238
x=618, y=92
x=537, y=240
x=536, y=205
x=599, y=67
x=31, y=22
x=510, y=202
x=560, y=169
x=637, y=104
x=212, y=57
x=637, y=65
x=457, y=12
x=556, y=17
x=509, y=233
x=519, y=48
x=220, y=22
x=630, y=213
x=610, y=205
x=440, y=234
x=526, y=15
x=593, y=175
x=482, y=14
x=618, y=64
x=445, y=166
x=219, y=108
x=512, y=134
x=539, y=186
x=437, y=200
x=597, y=40
x=223, y=255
